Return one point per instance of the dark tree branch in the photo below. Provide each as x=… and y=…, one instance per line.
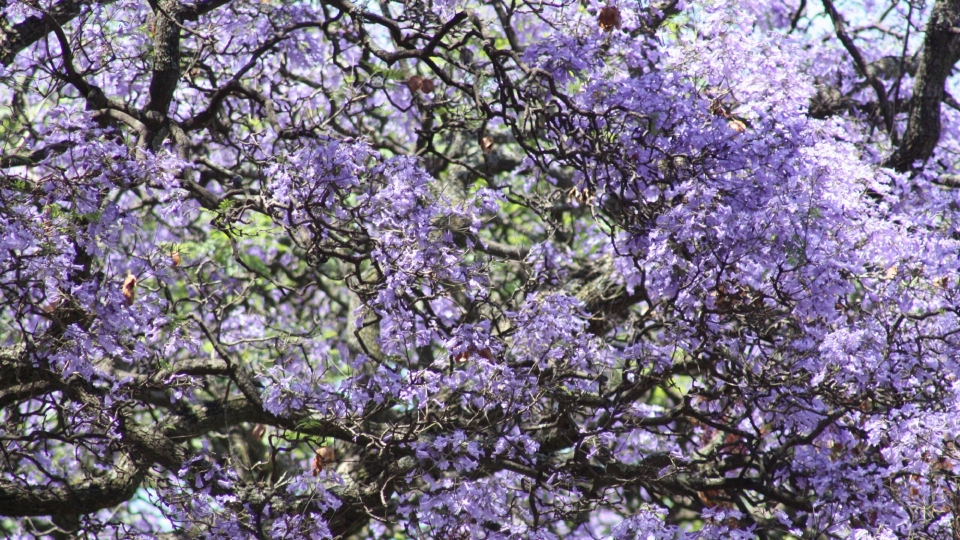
x=166, y=56
x=35, y=157
x=72, y=77
x=797, y=14
x=941, y=49
x=89, y=496
x=195, y=11
x=233, y=85
x=206, y=198
x=152, y=447
x=360, y=501
x=14, y=39
x=96, y=100
x=861, y=63
x=22, y=392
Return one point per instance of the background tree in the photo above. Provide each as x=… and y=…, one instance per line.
x=502, y=269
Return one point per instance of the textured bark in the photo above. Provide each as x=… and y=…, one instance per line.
x=90, y=496
x=15, y=38
x=166, y=55
x=941, y=50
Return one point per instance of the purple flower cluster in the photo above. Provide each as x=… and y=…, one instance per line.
x=654, y=270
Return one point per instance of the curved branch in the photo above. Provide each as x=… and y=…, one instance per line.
x=18, y=37
x=195, y=11
x=35, y=157
x=860, y=62
x=116, y=487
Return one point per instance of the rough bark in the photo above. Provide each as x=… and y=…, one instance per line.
x=116, y=487
x=166, y=55
x=941, y=50
x=15, y=38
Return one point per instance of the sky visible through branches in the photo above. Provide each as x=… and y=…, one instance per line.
x=479, y=269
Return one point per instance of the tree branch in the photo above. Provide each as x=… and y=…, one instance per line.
x=941, y=50
x=194, y=12
x=860, y=62
x=166, y=56
x=110, y=490
x=35, y=157
x=14, y=39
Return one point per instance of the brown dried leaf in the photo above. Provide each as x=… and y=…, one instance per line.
x=129, y=288
x=737, y=126
x=486, y=144
x=325, y=456
x=427, y=86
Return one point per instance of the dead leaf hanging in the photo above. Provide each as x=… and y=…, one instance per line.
x=486, y=144
x=324, y=456
x=129, y=288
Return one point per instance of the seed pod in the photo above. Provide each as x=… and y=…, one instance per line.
x=486, y=144
x=427, y=86
x=414, y=83
x=737, y=126
x=175, y=258
x=129, y=286
x=258, y=431
x=325, y=456
x=610, y=18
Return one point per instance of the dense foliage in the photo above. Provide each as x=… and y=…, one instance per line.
x=479, y=269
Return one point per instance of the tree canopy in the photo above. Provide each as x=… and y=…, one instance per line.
x=479, y=269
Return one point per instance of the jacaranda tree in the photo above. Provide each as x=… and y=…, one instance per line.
x=479, y=269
